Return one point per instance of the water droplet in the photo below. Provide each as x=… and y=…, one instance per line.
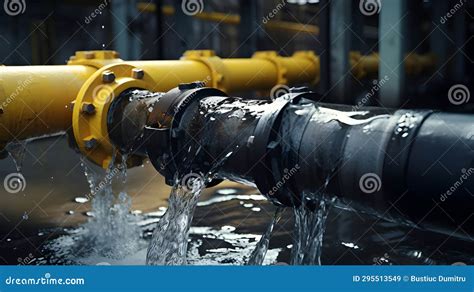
x=81, y=200
x=228, y=228
x=70, y=212
x=226, y=191
x=25, y=216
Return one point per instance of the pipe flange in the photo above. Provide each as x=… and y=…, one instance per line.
x=273, y=57
x=214, y=63
x=162, y=123
x=312, y=57
x=266, y=145
x=96, y=59
x=91, y=107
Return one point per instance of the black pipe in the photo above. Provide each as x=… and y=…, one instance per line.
x=412, y=165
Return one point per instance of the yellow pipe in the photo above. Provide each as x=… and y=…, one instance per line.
x=234, y=19
x=34, y=100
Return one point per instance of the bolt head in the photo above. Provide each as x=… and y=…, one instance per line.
x=108, y=77
x=138, y=73
x=90, y=144
x=89, y=55
x=88, y=108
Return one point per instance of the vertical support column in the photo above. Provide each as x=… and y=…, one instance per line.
x=249, y=27
x=438, y=40
x=324, y=52
x=392, y=29
x=159, y=29
x=358, y=41
x=340, y=37
x=459, y=68
x=185, y=31
x=124, y=12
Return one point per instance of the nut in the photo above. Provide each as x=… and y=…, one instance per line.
x=89, y=55
x=88, y=108
x=90, y=144
x=138, y=73
x=108, y=77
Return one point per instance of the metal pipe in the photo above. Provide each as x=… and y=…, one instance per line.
x=35, y=100
x=234, y=19
x=408, y=165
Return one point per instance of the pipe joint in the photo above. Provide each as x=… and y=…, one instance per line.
x=96, y=59
x=90, y=115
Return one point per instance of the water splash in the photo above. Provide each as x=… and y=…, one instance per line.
x=17, y=152
x=111, y=232
x=310, y=224
x=169, y=243
x=258, y=254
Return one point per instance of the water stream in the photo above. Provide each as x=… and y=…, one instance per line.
x=258, y=254
x=169, y=243
x=310, y=224
x=17, y=151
